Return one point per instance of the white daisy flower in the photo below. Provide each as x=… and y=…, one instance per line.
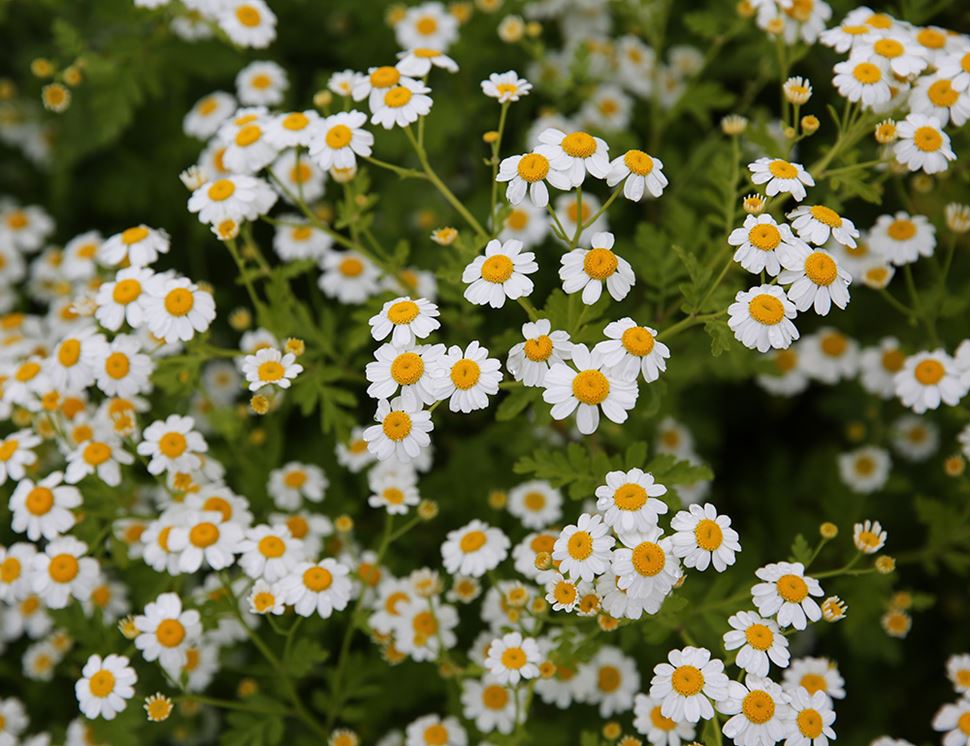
x=902, y=238
x=583, y=549
x=529, y=173
x=955, y=66
x=15, y=565
x=817, y=223
x=338, y=139
x=660, y=730
x=27, y=384
x=895, y=53
x=704, y=538
x=349, y=277
x=248, y=23
x=562, y=594
x=639, y=172
x=513, y=658
x=958, y=671
x=433, y=729
x=166, y=631
x=490, y=705
x=761, y=242
x=102, y=457
x=234, y=198
x=761, y=318
x=813, y=718
x=575, y=154
x=589, y=269
x=300, y=178
x=815, y=675
x=868, y=537
x=467, y=378
x=846, y=37
x=630, y=350
x=410, y=369
x=405, y=321
x=402, y=431
x=343, y=82
x=426, y=25
x=401, y=105
x=248, y=149
x=922, y=144
x=781, y=177
x=630, y=501
x=865, y=470
x=208, y=114
x=829, y=356
x=686, y=684
x=613, y=681
x=270, y=552
x=27, y=226
x=608, y=109
x=529, y=361
x=507, y=87
x=43, y=508
x=261, y=83
x=878, y=366
x=295, y=482
x=317, y=588
x=645, y=567
x=928, y=379
x=585, y=389
x=787, y=592
x=79, y=254
x=474, y=549
x=499, y=274
x=861, y=81
x=417, y=62
x=525, y=222
x=816, y=280
x=140, y=245
x=204, y=537
x=264, y=599
x=173, y=445
x=935, y=96
x=122, y=300
x=62, y=572
x=576, y=217
x=394, y=489
x=270, y=367
x=105, y=686
x=915, y=438
x=292, y=129
x=760, y=709
x=760, y=641
x=16, y=454
x=537, y=504
x=296, y=239
x=353, y=453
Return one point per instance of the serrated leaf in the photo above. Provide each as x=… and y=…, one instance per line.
x=801, y=551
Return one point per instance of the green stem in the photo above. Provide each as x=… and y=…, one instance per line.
x=604, y=208
x=529, y=308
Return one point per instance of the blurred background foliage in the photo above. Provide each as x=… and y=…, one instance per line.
x=116, y=155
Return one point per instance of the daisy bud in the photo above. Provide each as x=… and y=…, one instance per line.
x=886, y=132
x=957, y=217
x=828, y=530
x=885, y=565
x=247, y=687
x=158, y=707
x=295, y=346
x=517, y=596
x=896, y=623
x=629, y=741
x=343, y=737
x=343, y=175
x=833, y=609
x=922, y=183
x=444, y=236
x=322, y=99
x=55, y=97
x=901, y=600
x=257, y=437
x=745, y=9
x=797, y=90
x=533, y=29
x=41, y=67
x=73, y=76
x=462, y=12
x=240, y=319
x=395, y=14
x=497, y=499
x=193, y=177
x=733, y=125
x=490, y=137
x=607, y=623
x=511, y=29
x=547, y=669
x=810, y=124
x=612, y=730
x=539, y=605
x=226, y=230
x=790, y=133
x=954, y=466
x=127, y=627
x=259, y=404
x=427, y=510
x=344, y=524
x=753, y=204
x=543, y=561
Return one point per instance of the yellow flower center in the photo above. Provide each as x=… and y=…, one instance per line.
x=9, y=570
x=648, y=559
x=538, y=349
x=708, y=535
x=506, y=88
x=579, y=145
x=902, y=229
x=599, y=264
x=403, y=312
x=263, y=601
x=134, y=235
x=764, y=236
x=96, y=453
x=271, y=546
x=39, y=501
x=758, y=706
x=393, y=495
x=397, y=425
x=813, y=682
x=782, y=169
x=295, y=121
x=298, y=526
x=126, y=291
x=534, y=501
x=317, y=579
x=384, y=77
x=687, y=680
x=766, y=309
x=248, y=135
x=425, y=53
x=472, y=541
x=867, y=73
x=497, y=268
x=533, y=167
x=637, y=341
x=424, y=624
x=261, y=81
x=941, y=93
x=517, y=220
x=929, y=372
x=172, y=444
x=397, y=97
x=170, y=633
x=221, y=190
x=338, y=136
x=964, y=723
x=608, y=679
x=513, y=658
x=204, y=535
x=426, y=26
x=759, y=636
x=495, y=697
x=218, y=505
x=351, y=267
x=927, y=139
x=889, y=48
x=660, y=722
x=27, y=371
x=208, y=106
x=17, y=220
x=826, y=215
x=248, y=15
x=638, y=162
x=591, y=387
x=69, y=352
x=63, y=568
x=7, y=448
x=465, y=373
x=820, y=268
x=102, y=683
x=270, y=371
x=834, y=344
x=792, y=588
x=407, y=368
x=865, y=466
x=580, y=545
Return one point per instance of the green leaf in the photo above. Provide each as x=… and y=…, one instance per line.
x=800, y=550
x=303, y=656
x=636, y=455
x=516, y=402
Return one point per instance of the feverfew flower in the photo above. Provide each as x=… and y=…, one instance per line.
x=337, y=140
x=203, y=536
x=405, y=321
x=536, y=504
x=269, y=552
x=659, y=730
x=16, y=454
x=426, y=25
x=402, y=431
x=233, y=198
x=860, y=81
x=902, y=238
x=140, y=245
x=816, y=280
x=787, y=592
x=761, y=318
x=868, y=537
x=123, y=299
x=575, y=154
x=105, y=686
x=467, y=378
x=928, y=379
x=760, y=709
x=270, y=367
x=761, y=242
x=417, y=62
x=583, y=549
x=640, y=173
x=248, y=23
x=645, y=567
x=817, y=223
x=686, y=684
x=295, y=482
x=589, y=269
x=173, y=445
x=923, y=144
x=781, y=177
x=43, y=508
x=410, y=369
x=322, y=588
x=760, y=641
x=813, y=717
x=865, y=470
x=513, y=658
x=402, y=105
x=474, y=549
x=704, y=538
x=815, y=675
x=528, y=174
x=166, y=631
x=529, y=361
x=499, y=274
x=507, y=87
x=630, y=501
x=62, y=571
x=630, y=349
